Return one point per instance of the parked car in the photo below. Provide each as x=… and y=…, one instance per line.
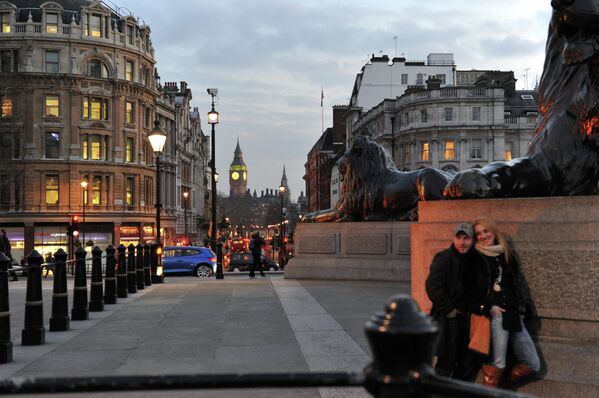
x=198, y=261
x=243, y=262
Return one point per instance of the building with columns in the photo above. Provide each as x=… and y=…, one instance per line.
x=79, y=97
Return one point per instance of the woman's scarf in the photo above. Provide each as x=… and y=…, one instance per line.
x=490, y=251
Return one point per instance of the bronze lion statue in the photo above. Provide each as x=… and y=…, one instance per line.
x=563, y=158
x=374, y=190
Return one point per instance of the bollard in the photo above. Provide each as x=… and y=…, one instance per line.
x=59, y=322
x=139, y=266
x=219, y=261
x=96, y=303
x=5, y=342
x=121, y=274
x=110, y=279
x=147, y=268
x=80, y=312
x=156, y=263
x=34, y=332
x=402, y=341
x=131, y=271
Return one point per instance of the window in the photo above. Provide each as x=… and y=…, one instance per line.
x=406, y=118
x=97, y=68
x=129, y=149
x=85, y=149
x=6, y=61
x=476, y=114
x=129, y=191
x=424, y=151
x=52, y=145
x=406, y=152
x=52, y=189
x=476, y=148
x=52, y=61
x=424, y=115
x=5, y=146
x=4, y=191
x=441, y=77
x=95, y=25
x=95, y=149
x=52, y=105
x=448, y=114
x=86, y=192
x=404, y=79
x=95, y=108
x=6, y=108
x=130, y=34
x=509, y=150
x=148, y=117
x=449, y=152
x=96, y=190
x=51, y=23
x=146, y=77
x=5, y=21
x=419, y=79
x=129, y=71
x=129, y=112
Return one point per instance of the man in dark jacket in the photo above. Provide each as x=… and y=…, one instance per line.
x=444, y=287
x=256, y=245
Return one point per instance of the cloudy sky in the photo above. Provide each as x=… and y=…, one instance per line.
x=269, y=60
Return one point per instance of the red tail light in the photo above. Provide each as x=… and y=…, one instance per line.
x=213, y=259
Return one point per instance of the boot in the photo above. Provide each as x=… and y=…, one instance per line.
x=521, y=372
x=491, y=375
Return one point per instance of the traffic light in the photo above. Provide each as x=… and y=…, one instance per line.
x=285, y=239
x=75, y=226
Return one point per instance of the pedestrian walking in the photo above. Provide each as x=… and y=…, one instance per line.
x=256, y=244
x=496, y=289
x=5, y=244
x=445, y=288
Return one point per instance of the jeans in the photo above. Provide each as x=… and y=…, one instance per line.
x=524, y=348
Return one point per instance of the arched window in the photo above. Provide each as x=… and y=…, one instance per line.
x=97, y=68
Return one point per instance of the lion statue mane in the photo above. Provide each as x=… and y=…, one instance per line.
x=563, y=157
x=374, y=190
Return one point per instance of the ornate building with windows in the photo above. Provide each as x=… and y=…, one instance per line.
x=79, y=96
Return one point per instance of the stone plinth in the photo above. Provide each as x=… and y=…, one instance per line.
x=558, y=242
x=351, y=251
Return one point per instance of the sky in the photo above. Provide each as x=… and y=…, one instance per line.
x=270, y=59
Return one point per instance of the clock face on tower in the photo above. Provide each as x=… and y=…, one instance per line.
x=235, y=175
x=245, y=176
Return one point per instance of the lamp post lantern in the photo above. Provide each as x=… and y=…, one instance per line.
x=157, y=139
x=281, y=230
x=213, y=121
x=185, y=195
x=84, y=199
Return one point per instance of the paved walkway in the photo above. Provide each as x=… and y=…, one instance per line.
x=188, y=325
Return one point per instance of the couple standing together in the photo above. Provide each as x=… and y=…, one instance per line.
x=479, y=278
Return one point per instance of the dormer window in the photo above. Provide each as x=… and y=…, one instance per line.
x=130, y=34
x=52, y=23
x=93, y=25
x=5, y=22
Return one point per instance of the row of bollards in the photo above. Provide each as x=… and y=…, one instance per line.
x=124, y=274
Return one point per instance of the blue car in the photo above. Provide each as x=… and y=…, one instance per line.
x=194, y=260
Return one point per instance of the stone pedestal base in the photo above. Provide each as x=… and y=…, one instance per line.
x=6, y=352
x=79, y=314
x=33, y=336
x=59, y=324
x=351, y=251
x=557, y=240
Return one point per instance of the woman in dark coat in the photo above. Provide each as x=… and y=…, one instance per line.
x=495, y=288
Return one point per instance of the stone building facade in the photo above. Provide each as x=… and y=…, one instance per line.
x=79, y=96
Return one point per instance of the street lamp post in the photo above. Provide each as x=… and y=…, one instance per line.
x=281, y=231
x=157, y=139
x=185, y=195
x=84, y=193
x=213, y=121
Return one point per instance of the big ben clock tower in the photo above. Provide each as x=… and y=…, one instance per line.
x=238, y=174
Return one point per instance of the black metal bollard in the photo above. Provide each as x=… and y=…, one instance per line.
x=59, y=322
x=139, y=266
x=96, y=302
x=156, y=263
x=34, y=332
x=121, y=274
x=5, y=342
x=110, y=279
x=402, y=341
x=80, y=311
x=219, y=261
x=131, y=271
x=147, y=267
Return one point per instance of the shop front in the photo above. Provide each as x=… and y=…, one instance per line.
x=16, y=236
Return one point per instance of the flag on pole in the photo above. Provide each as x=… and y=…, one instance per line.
x=321, y=97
